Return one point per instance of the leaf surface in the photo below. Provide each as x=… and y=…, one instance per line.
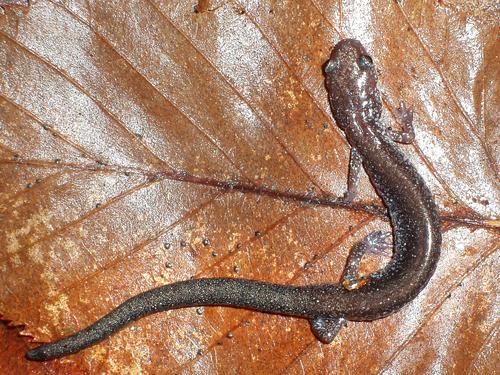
x=147, y=142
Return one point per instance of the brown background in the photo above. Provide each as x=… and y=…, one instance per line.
x=118, y=120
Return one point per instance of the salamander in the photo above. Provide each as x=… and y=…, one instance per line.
x=351, y=82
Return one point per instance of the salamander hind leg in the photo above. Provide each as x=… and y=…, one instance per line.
x=325, y=329
x=375, y=243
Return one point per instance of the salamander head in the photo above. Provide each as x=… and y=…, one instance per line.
x=351, y=81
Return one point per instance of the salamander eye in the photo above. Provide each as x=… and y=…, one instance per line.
x=365, y=62
x=332, y=65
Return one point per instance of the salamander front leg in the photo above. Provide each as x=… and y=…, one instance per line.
x=375, y=243
x=404, y=117
x=355, y=165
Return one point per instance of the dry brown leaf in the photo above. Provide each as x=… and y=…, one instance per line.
x=124, y=125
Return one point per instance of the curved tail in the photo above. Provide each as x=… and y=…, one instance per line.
x=255, y=295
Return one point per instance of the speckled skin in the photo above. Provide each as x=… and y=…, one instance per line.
x=351, y=82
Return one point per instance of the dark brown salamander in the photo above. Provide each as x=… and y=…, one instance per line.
x=351, y=81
